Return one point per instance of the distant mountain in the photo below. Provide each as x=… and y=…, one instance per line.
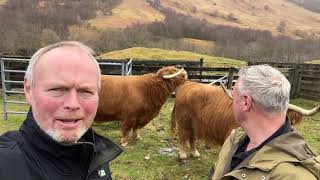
x=278, y=16
x=250, y=30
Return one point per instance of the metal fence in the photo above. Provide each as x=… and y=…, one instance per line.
x=12, y=76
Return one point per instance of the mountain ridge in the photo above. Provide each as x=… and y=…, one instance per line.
x=278, y=16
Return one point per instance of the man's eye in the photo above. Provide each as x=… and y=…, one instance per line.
x=58, y=89
x=85, y=93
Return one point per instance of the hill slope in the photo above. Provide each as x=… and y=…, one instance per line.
x=256, y=14
x=314, y=61
x=161, y=54
x=127, y=13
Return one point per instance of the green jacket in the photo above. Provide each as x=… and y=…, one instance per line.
x=285, y=157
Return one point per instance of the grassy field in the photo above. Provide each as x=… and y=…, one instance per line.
x=133, y=164
x=160, y=54
x=314, y=62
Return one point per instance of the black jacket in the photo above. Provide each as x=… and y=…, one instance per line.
x=30, y=154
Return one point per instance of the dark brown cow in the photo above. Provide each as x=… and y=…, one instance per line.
x=136, y=100
x=204, y=112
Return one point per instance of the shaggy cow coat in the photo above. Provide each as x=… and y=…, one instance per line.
x=204, y=111
x=135, y=100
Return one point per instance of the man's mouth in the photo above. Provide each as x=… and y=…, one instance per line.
x=69, y=121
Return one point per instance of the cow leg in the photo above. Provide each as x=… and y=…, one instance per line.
x=182, y=151
x=126, y=126
x=193, y=147
x=135, y=134
x=124, y=139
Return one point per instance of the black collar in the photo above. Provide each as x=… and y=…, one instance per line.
x=66, y=159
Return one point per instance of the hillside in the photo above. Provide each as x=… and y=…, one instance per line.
x=161, y=54
x=314, y=61
x=255, y=14
x=2, y=2
x=127, y=13
x=273, y=15
x=249, y=30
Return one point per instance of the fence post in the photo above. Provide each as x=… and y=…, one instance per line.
x=296, y=82
x=127, y=67
x=291, y=79
x=200, y=72
x=4, y=99
x=129, y=62
x=8, y=76
x=230, y=78
x=123, y=64
x=299, y=81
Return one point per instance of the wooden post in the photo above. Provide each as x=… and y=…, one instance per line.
x=200, y=72
x=230, y=77
x=299, y=81
x=291, y=80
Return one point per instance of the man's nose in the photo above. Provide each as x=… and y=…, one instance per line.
x=72, y=102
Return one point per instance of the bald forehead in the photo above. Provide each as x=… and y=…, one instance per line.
x=67, y=50
x=66, y=58
x=66, y=54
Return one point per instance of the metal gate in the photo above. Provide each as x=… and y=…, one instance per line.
x=12, y=75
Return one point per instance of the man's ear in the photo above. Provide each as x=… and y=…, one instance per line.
x=247, y=103
x=27, y=91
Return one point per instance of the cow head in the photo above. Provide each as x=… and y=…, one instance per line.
x=170, y=72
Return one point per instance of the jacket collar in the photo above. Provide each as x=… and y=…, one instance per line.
x=289, y=147
x=67, y=158
x=38, y=138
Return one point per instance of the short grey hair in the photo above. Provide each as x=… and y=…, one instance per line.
x=29, y=76
x=267, y=86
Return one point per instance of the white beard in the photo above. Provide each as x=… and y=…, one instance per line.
x=55, y=134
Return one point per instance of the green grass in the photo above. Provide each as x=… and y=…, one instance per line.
x=161, y=54
x=313, y=62
x=14, y=120
x=156, y=135
x=310, y=127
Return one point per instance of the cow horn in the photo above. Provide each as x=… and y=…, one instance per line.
x=304, y=111
x=226, y=91
x=173, y=75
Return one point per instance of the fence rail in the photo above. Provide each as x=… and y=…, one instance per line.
x=305, y=79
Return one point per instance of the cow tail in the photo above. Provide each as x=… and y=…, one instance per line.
x=173, y=120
